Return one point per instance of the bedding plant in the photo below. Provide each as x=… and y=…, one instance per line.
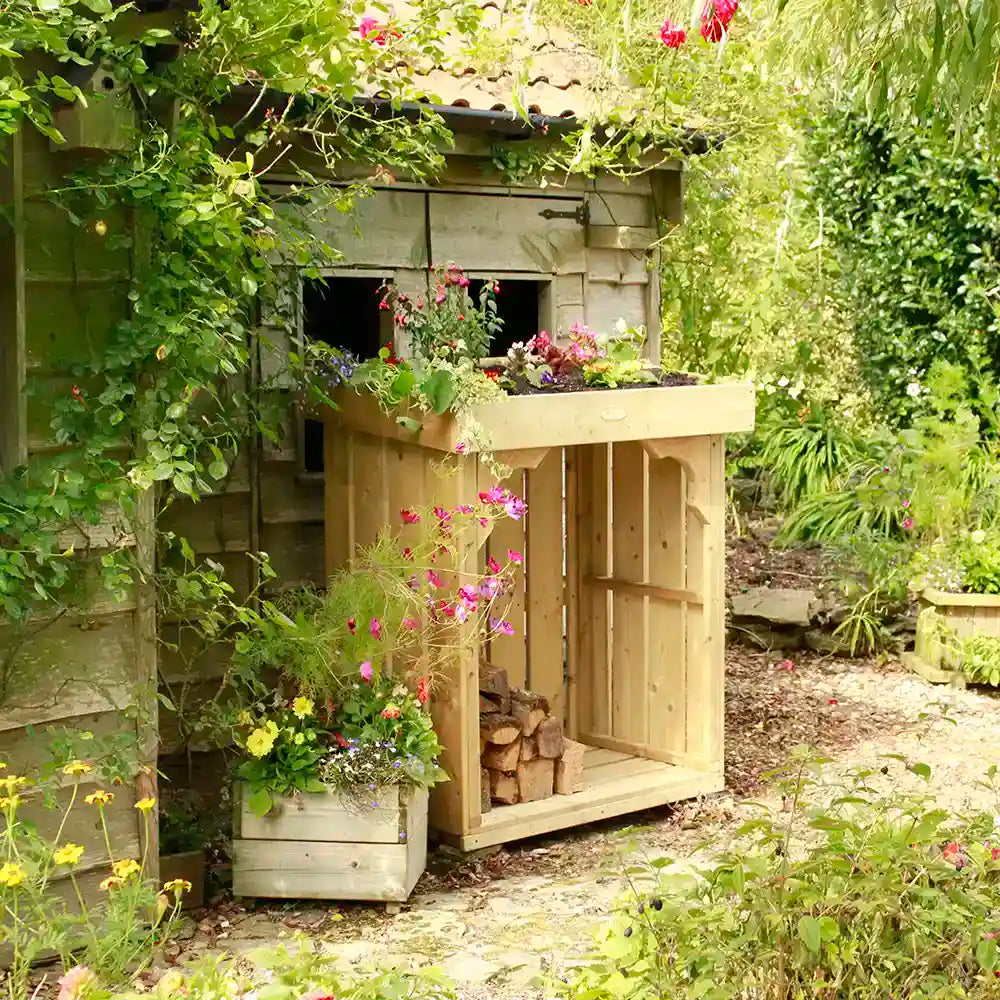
x=334, y=689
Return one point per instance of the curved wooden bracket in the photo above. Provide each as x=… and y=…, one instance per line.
x=522, y=458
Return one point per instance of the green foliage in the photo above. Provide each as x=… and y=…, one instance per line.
x=296, y=971
x=910, y=210
x=981, y=659
x=847, y=894
x=113, y=936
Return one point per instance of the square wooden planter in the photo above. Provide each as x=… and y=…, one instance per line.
x=964, y=614
x=620, y=614
x=318, y=846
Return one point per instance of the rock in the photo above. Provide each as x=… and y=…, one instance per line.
x=824, y=642
x=768, y=639
x=779, y=606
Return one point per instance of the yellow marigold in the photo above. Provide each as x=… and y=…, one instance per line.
x=99, y=798
x=177, y=886
x=77, y=767
x=302, y=707
x=111, y=883
x=68, y=854
x=260, y=742
x=126, y=869
x=145, y=805
x=11, y=874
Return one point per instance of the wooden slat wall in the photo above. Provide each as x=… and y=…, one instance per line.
x=62, y=289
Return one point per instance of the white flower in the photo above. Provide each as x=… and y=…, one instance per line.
x=621, y=327
x=913, y=389
x=783, y=381
x=978, y=536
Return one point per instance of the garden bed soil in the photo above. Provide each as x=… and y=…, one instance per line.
x=574, y=381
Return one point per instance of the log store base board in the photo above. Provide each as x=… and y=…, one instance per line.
x=614, y=784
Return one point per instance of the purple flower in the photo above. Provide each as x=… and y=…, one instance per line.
x=515, y=508
x=367, y=671
x=501, y=627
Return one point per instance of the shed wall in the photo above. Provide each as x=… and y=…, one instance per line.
x=63, y=287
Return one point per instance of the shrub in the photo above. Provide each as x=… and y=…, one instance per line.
x=862, y=897
x=911, y=212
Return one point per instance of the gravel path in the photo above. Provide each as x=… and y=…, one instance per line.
x=495, y=923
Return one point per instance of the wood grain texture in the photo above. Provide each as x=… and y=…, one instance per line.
x=544, y=581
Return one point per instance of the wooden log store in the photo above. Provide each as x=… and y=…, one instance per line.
x=620, y=620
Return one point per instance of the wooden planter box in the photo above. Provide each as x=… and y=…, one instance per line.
x=320, y=847
x=964, y=615
x=190, y=866
x=620, y=618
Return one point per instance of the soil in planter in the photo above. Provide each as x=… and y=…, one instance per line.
x=574, y=381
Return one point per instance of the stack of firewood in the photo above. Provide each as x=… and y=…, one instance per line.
x=523, y=752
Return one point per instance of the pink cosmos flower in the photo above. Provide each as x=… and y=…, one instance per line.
x=375, y=627
x=495, y=494
x=76, y=980
x=464, y=508
x=492, y=565
x=488, y=587
x=367, y=671
x=459, y=612
x=501, y=627
x=352, y=625
x=411, y=623
x=467, y=593
x=907, y=523
x=407, y=553
x=515, y=557
x=409, y=516
x=460, y=448
x=442, y=515
x=434, y=580
x=367, y=26
x=906, y=503
x=439, y=297
x=515, y=508
x=672, y=35
x=484, y=521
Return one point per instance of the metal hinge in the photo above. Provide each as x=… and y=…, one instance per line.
x=581, y=213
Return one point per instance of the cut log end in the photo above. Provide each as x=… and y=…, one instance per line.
x=535, y=779
x=499, y=729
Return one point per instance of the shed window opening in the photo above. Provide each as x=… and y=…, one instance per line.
x=519, y=306
x=344, y=313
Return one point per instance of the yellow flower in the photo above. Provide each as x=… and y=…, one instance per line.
x=111, y=883
x=99, y=798
x=12, y=782
x=177, y=886
x=245, y=718
x=299, y=739
x=3, y=766
x=77, y=767
x=10, y=801
x=145, y=805
x=11, y=874
x=126, y=869
x=88, y=735
x=260, y=742
x=68, y=854
x=272, y=727
x=302, y=707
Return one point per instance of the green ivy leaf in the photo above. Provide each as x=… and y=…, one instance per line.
x=441, y=390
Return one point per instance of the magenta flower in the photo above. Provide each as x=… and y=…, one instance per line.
x=366, y=26
x=459, y=612
x=409, y=516
x=908, y=523
x=367, y=671
x=439, y=297
x=411, y=623
x=672, y=35
x=515, y=557
x=488, y=587
x=501, y=627
x=434, y=580
x=352, y=625
x=460, y=448
x=464, y=508
x=515, y=508
x=906, y=503
x=495, y=494
x=467, y=593
x=492, y=565
x=375, y=627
